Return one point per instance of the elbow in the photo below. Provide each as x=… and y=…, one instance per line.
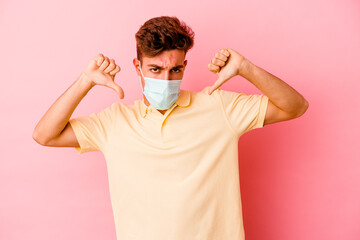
x=38, y=138
x=304, y=107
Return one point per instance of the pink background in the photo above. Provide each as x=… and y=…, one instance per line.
x=299, y=179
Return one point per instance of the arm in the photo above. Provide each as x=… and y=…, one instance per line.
x=54, y=128
x=285, y=102
x=55, y=122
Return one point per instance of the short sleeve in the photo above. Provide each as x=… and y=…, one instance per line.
x=244, y=112
x=92, y=131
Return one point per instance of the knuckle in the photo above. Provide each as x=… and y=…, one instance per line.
x=213, y=68
x=221, y=56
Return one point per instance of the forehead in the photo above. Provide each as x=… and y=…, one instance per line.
x=168, y=58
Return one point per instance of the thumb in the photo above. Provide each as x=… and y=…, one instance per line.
x=117, y=89
x=216, y=85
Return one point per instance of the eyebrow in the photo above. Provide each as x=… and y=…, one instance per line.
x=157, y=66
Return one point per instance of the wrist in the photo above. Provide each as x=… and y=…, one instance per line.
x=86, y=81
x=244, y=67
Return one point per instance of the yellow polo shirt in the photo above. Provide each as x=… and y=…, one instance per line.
x=174, y=176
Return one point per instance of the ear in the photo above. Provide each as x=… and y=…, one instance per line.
x=185, y=62
x=136, y=65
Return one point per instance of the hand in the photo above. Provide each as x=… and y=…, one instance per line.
x=227, y=63
x=101, y=71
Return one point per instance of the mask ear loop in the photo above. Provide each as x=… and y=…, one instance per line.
x=140, y=76
x=141, y=84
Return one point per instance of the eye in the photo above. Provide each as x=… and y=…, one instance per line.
x=177, y=70
x=151, y=69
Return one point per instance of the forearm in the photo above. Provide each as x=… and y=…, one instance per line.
x=279, y=93
x=58, y=115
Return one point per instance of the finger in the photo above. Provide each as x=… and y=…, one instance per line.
x=216, y=85
x=111, y=66
x=105, y=63
x=221, y=56
x=99, y=59
x=218, y=62
x=116, y=70
x=225, y=52
x=213, y=68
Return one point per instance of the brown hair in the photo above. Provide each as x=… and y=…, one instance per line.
x=163, y=33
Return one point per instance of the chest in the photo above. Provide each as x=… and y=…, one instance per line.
x=169, y=149
x=183, y=130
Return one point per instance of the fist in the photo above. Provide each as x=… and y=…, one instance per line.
x=226, y=64
x=101, y=71
x=219, y=61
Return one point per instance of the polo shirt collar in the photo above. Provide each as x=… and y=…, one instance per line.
x=182, y=101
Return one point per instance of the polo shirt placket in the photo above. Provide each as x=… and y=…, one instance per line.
x=159, y=119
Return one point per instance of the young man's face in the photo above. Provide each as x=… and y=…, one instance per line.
x=168, y=65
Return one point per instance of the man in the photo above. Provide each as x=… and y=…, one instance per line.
x=172, y=157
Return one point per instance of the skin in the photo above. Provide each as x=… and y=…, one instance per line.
x=53, y=129
x=170, y=65
x=285, y=102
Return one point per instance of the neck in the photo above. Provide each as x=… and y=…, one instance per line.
x=148, y=104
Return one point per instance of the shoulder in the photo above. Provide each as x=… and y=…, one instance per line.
x=203, y=93
x=200, y=98
x=217, y=92
x=113, y=107
x=232, y=98
x=218, y=95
